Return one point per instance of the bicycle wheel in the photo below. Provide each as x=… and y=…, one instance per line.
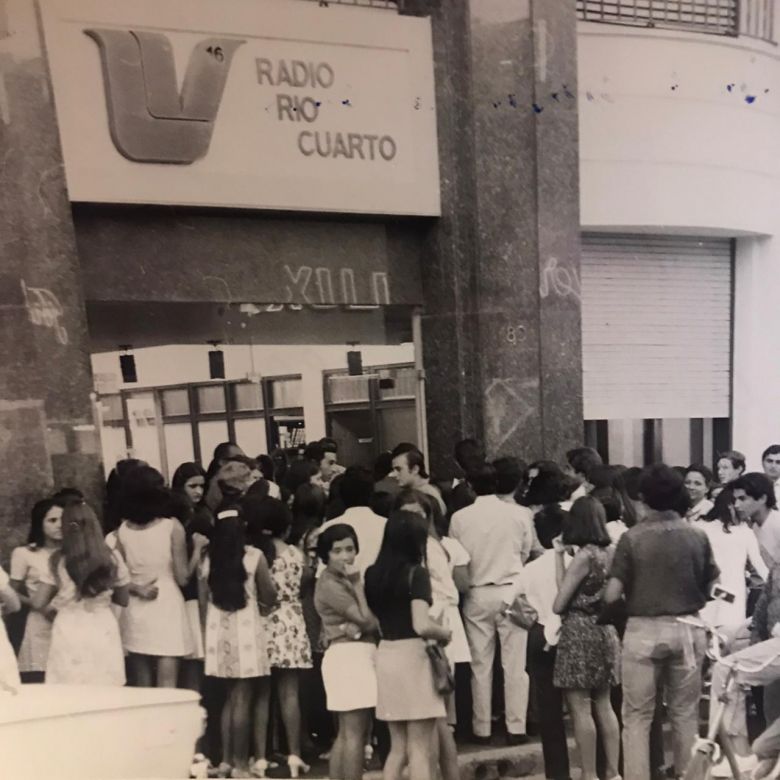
x=699, y=766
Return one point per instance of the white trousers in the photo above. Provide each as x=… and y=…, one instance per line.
x=484, y=622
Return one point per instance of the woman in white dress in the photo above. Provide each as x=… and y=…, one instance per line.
x=698, y=481
x=29, y=564
x=156, y=629
x=733, y=545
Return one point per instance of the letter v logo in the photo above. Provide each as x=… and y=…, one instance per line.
x=149, y=120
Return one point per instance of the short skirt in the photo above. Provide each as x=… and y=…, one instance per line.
x=405, y=688
x=349, y=676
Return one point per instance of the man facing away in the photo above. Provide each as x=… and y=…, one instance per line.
x=499, y=539
x=665, y=568
x=357, y=488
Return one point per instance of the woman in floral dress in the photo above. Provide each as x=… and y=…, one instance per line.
x=588, y=657
x=289, y=651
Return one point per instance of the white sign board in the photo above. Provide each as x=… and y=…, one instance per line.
x=270, y=104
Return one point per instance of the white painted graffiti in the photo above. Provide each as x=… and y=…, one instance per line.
x=317, y=287
x=45, y=310
x=560, y=281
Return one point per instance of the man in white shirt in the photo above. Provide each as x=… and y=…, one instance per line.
x=356, y=488
x=770, y=460
x=499, y=540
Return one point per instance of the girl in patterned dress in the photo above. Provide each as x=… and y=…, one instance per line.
x=587, y=663
x=233, y=577
x=84, y=578
x=268, y=526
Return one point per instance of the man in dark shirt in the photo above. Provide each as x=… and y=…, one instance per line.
x=665, y=568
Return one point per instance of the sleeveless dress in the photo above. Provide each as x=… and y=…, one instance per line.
x=159, y=627
x=288, y=642
x=86, y=647
x=588, y=656
x=235, y=641
x=28, y=565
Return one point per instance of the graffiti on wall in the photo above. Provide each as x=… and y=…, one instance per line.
x=45, y=310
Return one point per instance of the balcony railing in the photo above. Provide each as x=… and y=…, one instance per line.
x=717, y=17
x=752, y=18
x=390, y=5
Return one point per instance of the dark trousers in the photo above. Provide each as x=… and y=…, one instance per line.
x=548, y=705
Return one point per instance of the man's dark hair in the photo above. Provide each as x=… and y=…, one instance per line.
x=757, y=486
x=403, y=448
x=469, y=454
x=583, y=459
x=772, y=449
x=314, y=452
x=413, y=458
x=357, y=487
x=548, y=522
x=663, y=488
x=329, y=445
x=484, y=480
x=509, y=474
x=611, y=501
x=631, y=478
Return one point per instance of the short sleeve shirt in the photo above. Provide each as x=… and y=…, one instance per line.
x=394, y=608
x=666, y=566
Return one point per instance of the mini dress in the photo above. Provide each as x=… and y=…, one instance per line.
x=405, y=685
x=235, y=645
x=28, y=565
x=161, y=626
x=588, y=656
x=288, y=642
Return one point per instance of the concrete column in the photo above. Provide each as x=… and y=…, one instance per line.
x=501, y=326
x=756, y=372
x=47, y=438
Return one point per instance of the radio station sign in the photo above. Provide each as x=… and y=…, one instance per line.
x=269, y=104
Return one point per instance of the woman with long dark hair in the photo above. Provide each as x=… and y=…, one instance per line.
x=268, y=526
x=588, y=657
x=189, y=485
x=734, y=544
x=234, y=579
x=611, y=477
x=28, y=565
x=156, y=629
x=398, y=591
x=86, y=577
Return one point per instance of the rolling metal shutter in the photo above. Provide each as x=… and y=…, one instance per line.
x=656, y=327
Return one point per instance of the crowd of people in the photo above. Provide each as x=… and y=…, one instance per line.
x=323, y=609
